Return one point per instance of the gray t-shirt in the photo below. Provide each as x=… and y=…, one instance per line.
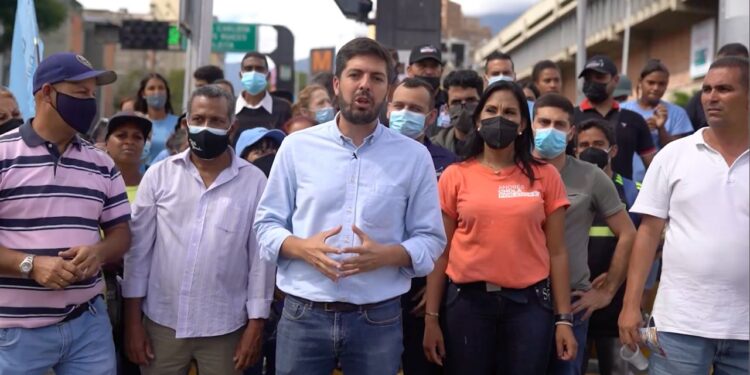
x=590, y=191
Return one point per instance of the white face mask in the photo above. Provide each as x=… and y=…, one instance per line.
x=499, y=78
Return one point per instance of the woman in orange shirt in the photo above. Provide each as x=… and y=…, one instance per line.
x=504, y=215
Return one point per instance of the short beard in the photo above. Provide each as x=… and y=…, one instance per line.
x=359, y=117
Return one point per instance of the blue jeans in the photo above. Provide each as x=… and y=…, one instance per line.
x=688, y=355
x=311, y=341
x=575, y=366
x=81, y=346
x=507, y=332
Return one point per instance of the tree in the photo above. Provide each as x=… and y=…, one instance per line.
x=50, y=14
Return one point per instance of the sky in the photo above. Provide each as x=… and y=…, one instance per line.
x=314, y=23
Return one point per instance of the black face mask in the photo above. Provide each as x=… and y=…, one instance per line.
x=498, y=132
x=596, y=156
x=433, y=81
x=10, y=125
x=461, y=117
x=207, y=145
x=596, y=92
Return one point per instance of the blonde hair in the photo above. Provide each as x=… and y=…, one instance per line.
x=5, y=93
x=303, y=99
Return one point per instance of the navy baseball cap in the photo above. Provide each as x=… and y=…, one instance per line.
x=601, y=64
x=69, y=67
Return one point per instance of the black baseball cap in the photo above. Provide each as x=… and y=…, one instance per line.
x=601, y=64
x=425, y=52
x=127, y=117
x=69, y=67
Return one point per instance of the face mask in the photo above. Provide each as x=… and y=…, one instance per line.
x=499, y=78
x=254, y=82
x=461, y=117
x=207, y=143
x=498, y=132
x=408, y=123
x=596, y=92
x=156, y=101
x=550, y=142
x=596, y=156
x=433, y=81
x=146, y=150
x=10, y=125
x=76, y=112
x=324, y=115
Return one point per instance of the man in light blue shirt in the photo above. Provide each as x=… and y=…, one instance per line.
x=351, y=214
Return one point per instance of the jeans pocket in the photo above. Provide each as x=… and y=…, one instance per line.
x=293, y=310
x=9, y=337
x=544, y=294
x=386, y=315
x=451, y=295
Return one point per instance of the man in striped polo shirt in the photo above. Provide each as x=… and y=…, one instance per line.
x=56, y=192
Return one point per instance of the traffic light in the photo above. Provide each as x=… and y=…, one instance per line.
x=356, y=9
x=140, y=34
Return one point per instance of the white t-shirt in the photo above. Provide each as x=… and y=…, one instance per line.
x=705, y=282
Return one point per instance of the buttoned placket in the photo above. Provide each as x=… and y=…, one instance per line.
x=196, y=228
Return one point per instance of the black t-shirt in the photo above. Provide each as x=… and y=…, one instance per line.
x=631, y=131
x=264, y=163
x=695, y=112
x=249, y=118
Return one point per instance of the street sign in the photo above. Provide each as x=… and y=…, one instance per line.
x=234, y=37
x=321, y=60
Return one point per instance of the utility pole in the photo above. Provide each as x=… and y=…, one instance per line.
x=196, y=22
x=581, y=52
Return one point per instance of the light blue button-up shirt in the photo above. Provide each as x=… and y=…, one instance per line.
x=386, y=187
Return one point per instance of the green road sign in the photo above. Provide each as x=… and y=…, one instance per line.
x=234, y=37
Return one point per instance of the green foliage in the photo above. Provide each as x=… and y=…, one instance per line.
x=176, y=81
x=682, y=98
x=50, y=14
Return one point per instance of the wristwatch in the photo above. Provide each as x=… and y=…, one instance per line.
x=564, y=318
x=26, y=266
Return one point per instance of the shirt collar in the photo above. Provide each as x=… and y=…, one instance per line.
x=586, y=105
x=235, y=166
x=342, y=139
x=266, y=103
x=32, y=138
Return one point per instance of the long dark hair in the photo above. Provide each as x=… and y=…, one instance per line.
x=140, y=102
x=523, y=143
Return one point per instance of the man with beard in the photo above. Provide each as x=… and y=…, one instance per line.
x=599, y=82
x=351, y=216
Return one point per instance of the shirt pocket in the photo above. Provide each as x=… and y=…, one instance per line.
x=385, y=207
x=227, y=216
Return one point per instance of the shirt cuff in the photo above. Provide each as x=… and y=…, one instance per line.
x=276, y=237
x=134, y=289
x=258, y=308
x=639, y=209
x=421, y=263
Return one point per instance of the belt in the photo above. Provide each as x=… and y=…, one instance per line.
x=80, y=309
x=490, y=287
x=341, y=306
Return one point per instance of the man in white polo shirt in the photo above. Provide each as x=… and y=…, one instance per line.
x=699, y=185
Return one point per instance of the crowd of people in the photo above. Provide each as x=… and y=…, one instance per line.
x=459, y=223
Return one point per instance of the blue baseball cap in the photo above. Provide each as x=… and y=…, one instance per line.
x=250, y=137
x=69, y=67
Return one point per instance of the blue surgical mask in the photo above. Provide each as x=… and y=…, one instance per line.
x=499, y=78
x=157, y=101
x=254, y=82
x=550, y=142
x=408, y=123
x=324, y=115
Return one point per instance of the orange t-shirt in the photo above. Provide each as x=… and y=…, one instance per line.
x=499, y=235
